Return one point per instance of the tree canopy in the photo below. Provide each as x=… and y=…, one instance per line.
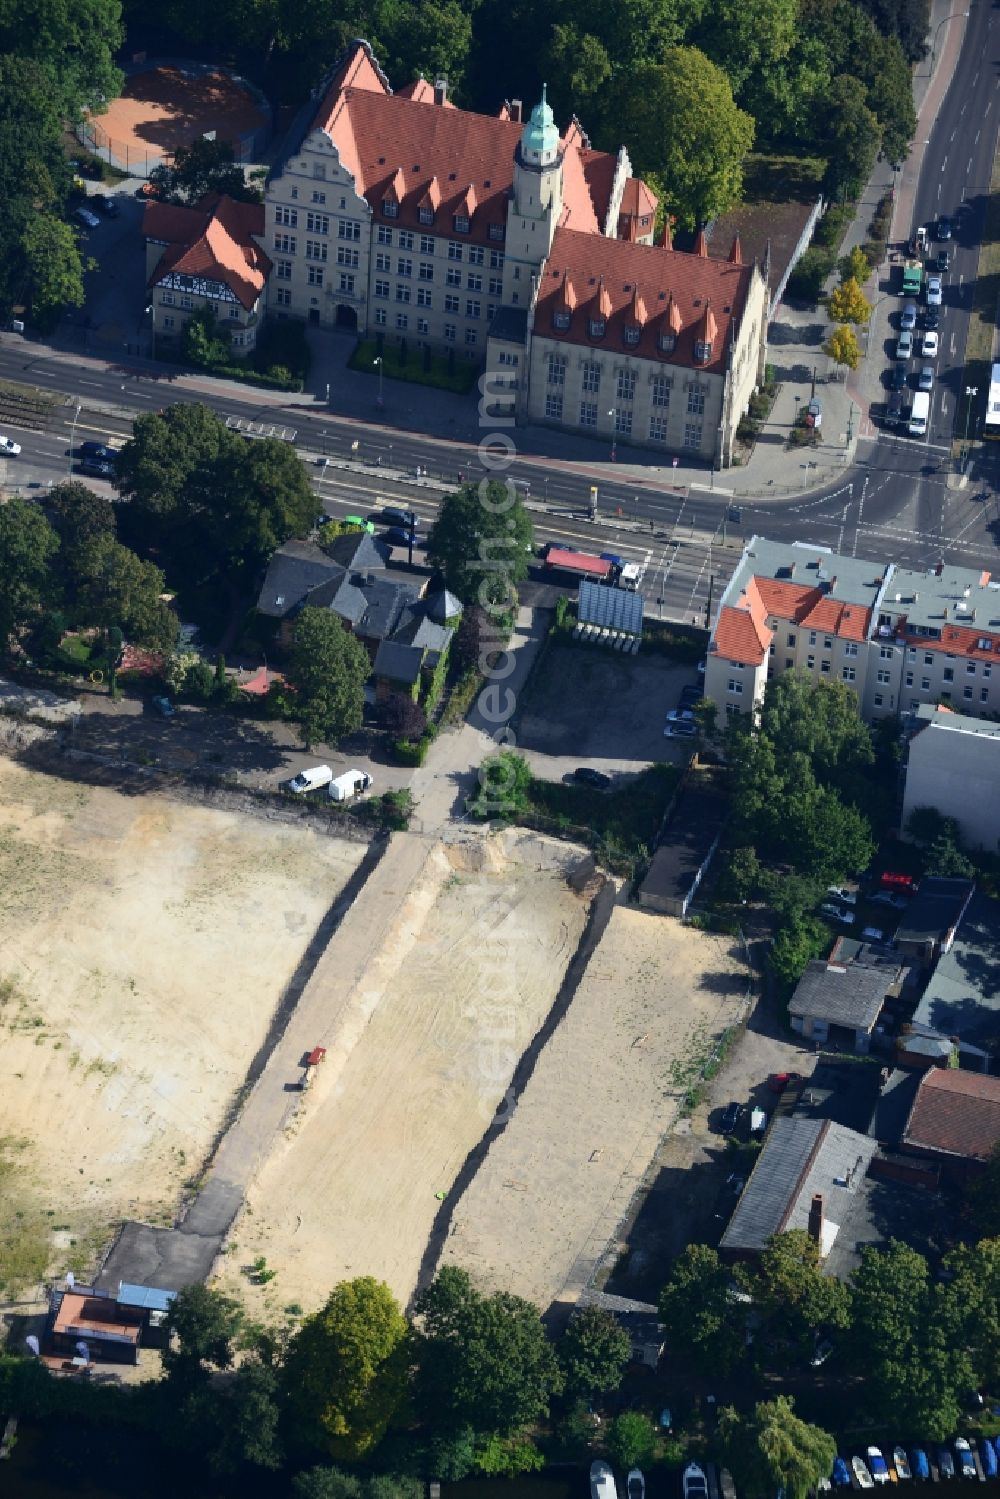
x=205, y=166
x=484, y=1361
x=775, y=1449
x=328, y=667
x=795, y=1297
x=593, y=1352
x=346, y=1369
x=482, y=540
x=27, y=546
x=700, y=1312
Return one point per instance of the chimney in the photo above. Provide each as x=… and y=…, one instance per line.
x=516, y=111
x=816, y=1219
x=441, y=91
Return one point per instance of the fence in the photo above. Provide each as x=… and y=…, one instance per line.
x=129, y=157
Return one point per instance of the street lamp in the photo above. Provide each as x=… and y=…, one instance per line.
x=614, y=437
x=72, y=439
x=378, y=364
x=937, y=33
x=971, y=392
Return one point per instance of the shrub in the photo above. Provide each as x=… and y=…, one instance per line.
x=401, y=717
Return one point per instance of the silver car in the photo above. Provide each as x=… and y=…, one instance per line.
x=926, y=381
x=934, y=291
x=908, y=316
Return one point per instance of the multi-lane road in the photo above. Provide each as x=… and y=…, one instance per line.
x=899, y=500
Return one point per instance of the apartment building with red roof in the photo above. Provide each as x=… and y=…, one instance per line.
x=206, y=255
x=510, y=242
x=898, y=638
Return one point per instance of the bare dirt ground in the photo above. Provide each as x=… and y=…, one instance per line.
x=556, y=1184
x=471, y=958
x=144, y=947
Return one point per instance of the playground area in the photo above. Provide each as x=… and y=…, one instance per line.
x=165, y=106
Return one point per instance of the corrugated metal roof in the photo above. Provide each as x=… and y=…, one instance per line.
x=848, y=994
x=147, y=1298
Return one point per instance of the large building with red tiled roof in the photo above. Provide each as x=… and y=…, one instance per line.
x=207, y=255
x=955, y=1120
x=897, y=638
x=401, y=216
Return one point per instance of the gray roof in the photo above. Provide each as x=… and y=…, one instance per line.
x=952, y=596
x=849, y=580
x=962, y=997
x=341, y=594
x=398, y=662
x=359, y=551
x=849, y=994
x=296, y=568
x=510, y=325
x=934, y=909
x=948, y=719
x=800, y=1157
x=385, y=602
x=442, y=606
x=892, y=1107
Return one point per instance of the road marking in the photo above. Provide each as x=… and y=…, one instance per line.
x=943, y=165
x=968, y=169
x=951, y=346
x=978, y=134
x=951, y=137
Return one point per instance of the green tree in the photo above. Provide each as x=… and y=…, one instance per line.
x=700, y=1312
x=905, y=1328
x=115, y=587
x=327, y=1483
x=592, y=1352
x=853, y=133
x=925, y=825
x=973, y=1289
x=53, y=269
x=984, y=1196
x=684, y=128
x=203, y=341
x=209, y=504
x=848, y=303
x=73, y=44
x=842, y=347
x=237, y=1423
x=483, y=1361
x=800, y=940
x=743, y=872
x=745, y=39
x=506, y=1457
x=34, y=174
x=774, y=1448
x=27, y=584
x=346, y=1369
x=205, y=166
x=794, y=1295
x=818, y=719
x=203, y=1326
x=328, y=667
x=79, y=516
x=631, y=1439
x=855, y=265
x=946, y=859
x=505, y=782
x=482, y=541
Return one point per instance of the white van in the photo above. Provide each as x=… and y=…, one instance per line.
x=311, y=779
x=920, y=414
x=351, y=783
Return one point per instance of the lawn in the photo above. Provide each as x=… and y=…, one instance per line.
x=771, y=177
x=400, y=362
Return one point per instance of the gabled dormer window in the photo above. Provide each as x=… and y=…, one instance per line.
x=702, y=352
x=667, y=342
x=496, y=231
x=426, y=215
x=461, y=224
x=390, y=208
x=596, y=327
x=632, y=334
x=560, y=321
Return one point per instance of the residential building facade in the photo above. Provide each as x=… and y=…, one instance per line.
x=898, y=638
x=953, y=765
x=206, y=256
x=504, y=241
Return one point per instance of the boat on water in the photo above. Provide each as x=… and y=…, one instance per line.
x=877, y=1465
x=602, y=1482
x=921, y=1466
x=988, y=1457
x=861, y=1473
x=901, y=1462
x=636, y=1484
x=841, y=1474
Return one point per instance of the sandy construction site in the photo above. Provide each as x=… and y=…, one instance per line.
x=474, y=939
x=544, y=1205
x=144, y=946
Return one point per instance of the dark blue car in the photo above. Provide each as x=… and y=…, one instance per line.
x=397, y=537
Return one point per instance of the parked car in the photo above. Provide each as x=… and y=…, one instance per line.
x=397, y=537
x=944, y=229
x=689, y=696
x=681, y=715
x=904, y=345
x=389, y=515
x=944, y=260
x=908, y=317
x=164, y=707
x=694, y=1482
x=888, y=898
x=966, y=1461
x=893, y=412
x=681, y=731
x=104, y=205
x=86, y=217
x=897, y=375
x=934, y=297
x=873, y=934
x=841, y=893
x=9, y=446
x=921, y=1467
x=95, y=458
x=587, y=776
x=877, y=1465
x=932, y=317
x=929, y=346
x=779, y=1081
x=836, y=913
x=946, y=1463
x=730, y=1118
x=926, y=378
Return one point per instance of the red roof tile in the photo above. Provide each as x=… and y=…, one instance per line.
x=813, y=608
x=380, y=134
x=958, y=640
x=659, y=275
x=741, y=633
x=956, y=1113
x=215, y=240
